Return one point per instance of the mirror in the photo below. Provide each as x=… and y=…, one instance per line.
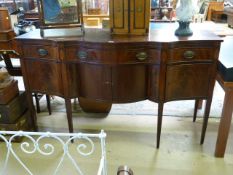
x=60, y=13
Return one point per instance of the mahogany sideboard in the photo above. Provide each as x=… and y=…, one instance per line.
x=102, y=67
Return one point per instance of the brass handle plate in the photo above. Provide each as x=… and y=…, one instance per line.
x=42, y=52
x=189, y=54
x=82, y=55
x=141, y=56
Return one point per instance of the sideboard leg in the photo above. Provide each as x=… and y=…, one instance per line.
x=159, y=124
x=33, y=119
x=206, y=117
x=195, y=110
x=69, y=114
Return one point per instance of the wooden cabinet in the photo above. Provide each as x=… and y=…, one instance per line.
x=213, y=5
x=129, y=16
x=117, y=68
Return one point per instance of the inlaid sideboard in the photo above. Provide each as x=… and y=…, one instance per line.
x=106, y=68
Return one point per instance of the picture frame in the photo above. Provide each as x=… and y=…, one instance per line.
x=60, y=14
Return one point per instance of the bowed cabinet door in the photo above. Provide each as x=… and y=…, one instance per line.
x=95, y=81
x=129, y=83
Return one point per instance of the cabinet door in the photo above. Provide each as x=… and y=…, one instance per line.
x=188, y=81
x=129, y=83
x=139, y=16
x=95, y=81
x=119, y=16
x=44, y=76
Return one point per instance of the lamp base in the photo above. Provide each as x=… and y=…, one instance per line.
x=183, y=29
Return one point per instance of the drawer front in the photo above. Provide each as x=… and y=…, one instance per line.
x=40, y=51
x=139, y=55
x=120, y=53
x=85, y=54
x=190, y=54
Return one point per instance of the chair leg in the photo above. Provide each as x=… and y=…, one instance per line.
x=37, y=103
x=206, y=117
x=48, y=104
x=159, y=124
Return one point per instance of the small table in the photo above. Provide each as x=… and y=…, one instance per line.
x=216, y=15
x=225, y=79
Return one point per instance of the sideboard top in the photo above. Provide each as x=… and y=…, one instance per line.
x=104, y=36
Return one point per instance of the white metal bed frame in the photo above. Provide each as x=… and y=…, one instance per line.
x=65, y=139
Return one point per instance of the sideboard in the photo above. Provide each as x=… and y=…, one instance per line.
x=102, y=67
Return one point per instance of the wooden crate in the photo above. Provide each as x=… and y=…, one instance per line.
x=8, y=93
x=10, y=112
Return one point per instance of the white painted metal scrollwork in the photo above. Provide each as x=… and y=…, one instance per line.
x=32, y=145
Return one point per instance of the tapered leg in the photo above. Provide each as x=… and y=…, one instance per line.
x=225, y=124
x=33, y=120
x=69, y=114
x=195, y=110
x=159, y=124
x=48, y=104
x=206, y=117
x=37, y=103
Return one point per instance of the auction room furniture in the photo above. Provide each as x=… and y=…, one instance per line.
x=225, y=79
x=129, y=16
x=213, y=5
x=229, y=12
x=109, y=68
x=13, y=70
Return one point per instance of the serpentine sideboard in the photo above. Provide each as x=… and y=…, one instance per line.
x=107, y=68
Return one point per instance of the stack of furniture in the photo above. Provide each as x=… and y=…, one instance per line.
x=14, y=112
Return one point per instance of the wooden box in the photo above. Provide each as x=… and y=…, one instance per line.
x=8, y=93
x=92, y=21
x=94, y=11
x=10, y=112
x=21, y=124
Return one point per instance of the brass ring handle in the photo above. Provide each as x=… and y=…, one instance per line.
x=141, y=56
x=82, y=55
x=189, y=54
x=42, y=52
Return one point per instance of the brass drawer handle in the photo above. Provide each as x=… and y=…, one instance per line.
x=82, y=55
x=42, y=52
x=189, y=54
x=141, y=56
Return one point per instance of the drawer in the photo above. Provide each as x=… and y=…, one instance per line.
x=40, y=51
x=84, y=54
x=190, y=54
x=139, y=55
x=111, y=55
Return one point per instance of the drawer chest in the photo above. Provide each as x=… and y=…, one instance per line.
x=120, y=69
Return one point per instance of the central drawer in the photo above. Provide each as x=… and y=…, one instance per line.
x=112, y=54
